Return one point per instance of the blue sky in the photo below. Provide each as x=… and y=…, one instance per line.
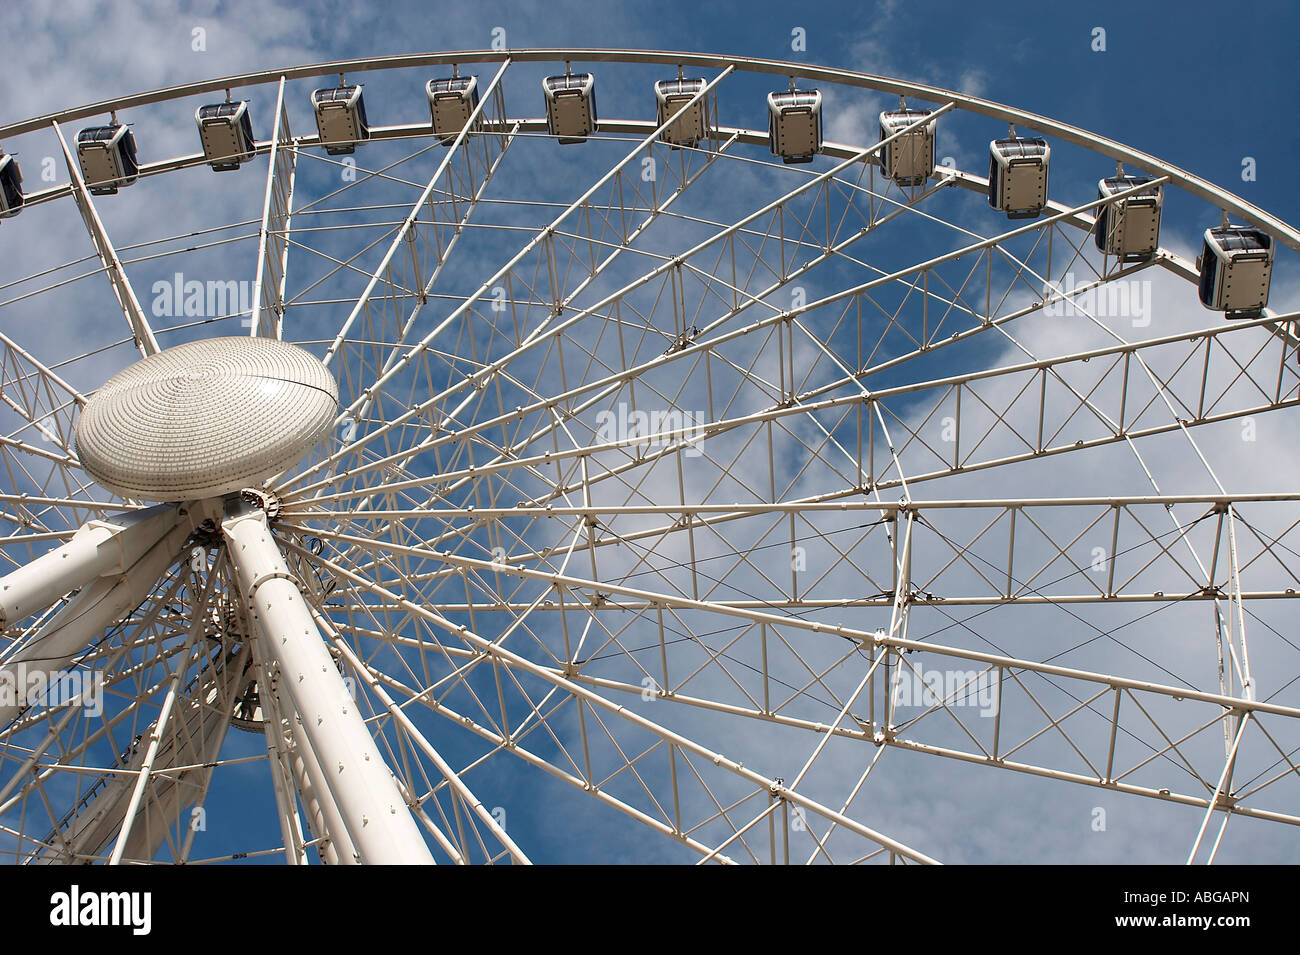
x=1185, y=82
x=1190, y=82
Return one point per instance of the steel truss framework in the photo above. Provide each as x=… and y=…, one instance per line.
x=634, y=478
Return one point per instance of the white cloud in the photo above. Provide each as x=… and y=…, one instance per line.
x=83, y=51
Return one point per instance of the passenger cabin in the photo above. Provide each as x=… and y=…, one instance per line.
x=340, y=118
x=794, y=124
x=451, y=101
x=690, y=123
x=570, y=106
x=107, y=157
x=226, y=131
x=909, y=159
x=1129, y=228
x=1235, y=264
x=11, y=186
x=1018, y=176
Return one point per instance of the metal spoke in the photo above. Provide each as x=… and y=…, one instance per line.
x=671, y=482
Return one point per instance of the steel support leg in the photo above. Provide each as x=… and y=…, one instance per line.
x=329, y=723
x=128, y=574
x=98, y=549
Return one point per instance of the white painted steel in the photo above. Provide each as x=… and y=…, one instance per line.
x=99, y=548
x=95, y=609
x=382, y=546
x=351, y=768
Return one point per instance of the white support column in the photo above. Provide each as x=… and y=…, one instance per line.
x=301, y=772
x=278, y=747
x=324, y=816
x=328, y=723
x=99, y=548
x=91, y=612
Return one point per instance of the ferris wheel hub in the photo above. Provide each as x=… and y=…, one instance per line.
x=206, y=418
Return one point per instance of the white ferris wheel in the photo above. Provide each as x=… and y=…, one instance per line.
x=729, y=476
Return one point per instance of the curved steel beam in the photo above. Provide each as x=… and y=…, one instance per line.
x=1285, y=233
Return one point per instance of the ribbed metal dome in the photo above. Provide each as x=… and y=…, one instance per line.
x=206, y=418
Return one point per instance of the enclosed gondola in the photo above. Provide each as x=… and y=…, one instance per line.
x=452, y=100
x=107, y=157
x=690, y=121
x=570, y=106
x=226, y=132
x=909, y=159
x=11, y=186
x=1130, y=227
x=340, y=118
x=1018, y=176
x=794, y=124
x=1236, y=265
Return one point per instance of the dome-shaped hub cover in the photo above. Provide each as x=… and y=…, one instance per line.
x=206, y=418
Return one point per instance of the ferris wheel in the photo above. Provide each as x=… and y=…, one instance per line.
x=777, y=465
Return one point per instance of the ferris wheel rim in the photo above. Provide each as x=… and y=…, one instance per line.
x=445, y=58
x=1189, y=182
